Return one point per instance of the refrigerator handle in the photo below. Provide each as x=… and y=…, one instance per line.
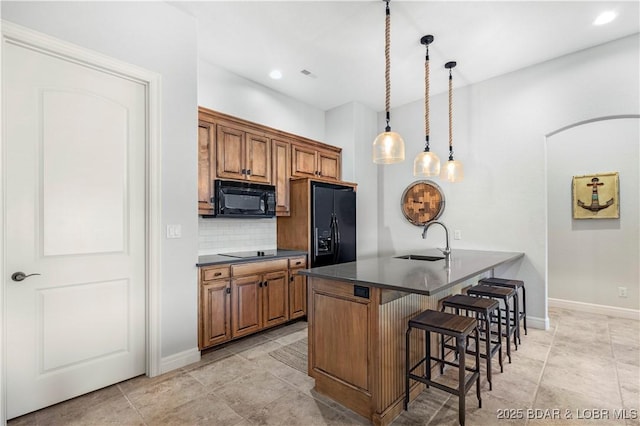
x=315, y=243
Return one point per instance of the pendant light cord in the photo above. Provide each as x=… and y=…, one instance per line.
x=387, y=66
x=427, y=129
x=450, y=116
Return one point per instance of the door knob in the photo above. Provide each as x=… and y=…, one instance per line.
x=20, y=276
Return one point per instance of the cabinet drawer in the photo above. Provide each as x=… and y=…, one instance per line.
x=215, y=273
x=298, y=262
x=258, y=267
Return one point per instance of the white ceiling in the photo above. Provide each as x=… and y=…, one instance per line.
x=342, y=42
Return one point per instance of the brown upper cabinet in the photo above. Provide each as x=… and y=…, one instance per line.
x=281, y=156
x=236, y=149
x=206, y=169
x=242, y=155
x=308, y=161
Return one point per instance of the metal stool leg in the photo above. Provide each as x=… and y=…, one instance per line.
x=478, y=367
x=508, y=331
x=407, y=368
x=427, y=355
x=524, y=309
x=487, y=341
x=500, y=339
x=516, y=316
x=460, y=344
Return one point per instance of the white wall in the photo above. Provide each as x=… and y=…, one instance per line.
x=499, y=135
x=590, y=259
x=223, y=91
x=155, y=36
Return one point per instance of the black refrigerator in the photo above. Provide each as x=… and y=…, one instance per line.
x=333, y=224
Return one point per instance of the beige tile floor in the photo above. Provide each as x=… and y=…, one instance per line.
x=584, y=366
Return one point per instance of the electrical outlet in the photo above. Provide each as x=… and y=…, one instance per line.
x=622, y=292
x=457, y=234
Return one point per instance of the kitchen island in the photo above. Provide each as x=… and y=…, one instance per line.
x=358, y=314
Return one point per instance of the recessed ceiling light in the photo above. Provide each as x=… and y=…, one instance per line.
x=605, y=17
x=275, y=74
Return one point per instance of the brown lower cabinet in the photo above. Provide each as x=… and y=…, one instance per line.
x=214, y=313
x=297, y=288
x=245, y=298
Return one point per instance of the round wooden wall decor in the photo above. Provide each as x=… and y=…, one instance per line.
x=422, y=201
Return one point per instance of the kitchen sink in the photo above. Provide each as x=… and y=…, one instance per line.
x=420, y=257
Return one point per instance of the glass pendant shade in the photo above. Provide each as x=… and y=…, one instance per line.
x=453, y=171
x=388, y=148
x=426, y=164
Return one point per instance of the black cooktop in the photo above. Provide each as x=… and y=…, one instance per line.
x=256, y=253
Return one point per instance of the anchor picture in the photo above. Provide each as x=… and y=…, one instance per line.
x=596, y=196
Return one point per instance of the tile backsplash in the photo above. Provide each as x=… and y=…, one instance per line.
x=231, y=235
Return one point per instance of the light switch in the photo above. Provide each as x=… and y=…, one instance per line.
x=174, y=231
x=457, y=234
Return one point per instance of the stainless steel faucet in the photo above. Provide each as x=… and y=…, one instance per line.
x=447, y=249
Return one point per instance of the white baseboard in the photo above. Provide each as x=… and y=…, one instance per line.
x=179, y=360
x=591, y=308
x=540, y=323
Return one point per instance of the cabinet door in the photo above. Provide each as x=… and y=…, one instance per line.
x=303, y=161
x=329, y=165
x=258, y=158
x=275, y=298
x=206, y=169
x=281, y=174
x=215, y=318
x=230, y=145
x=246, y=311
x=297, y=294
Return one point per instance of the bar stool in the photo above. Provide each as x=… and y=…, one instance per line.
x=501, y=293
x=445, y=324
x=517, y=285
x=484, y=309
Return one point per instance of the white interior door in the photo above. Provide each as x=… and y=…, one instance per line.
x=75, y=214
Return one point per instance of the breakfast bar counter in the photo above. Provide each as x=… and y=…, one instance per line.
x=358, y=314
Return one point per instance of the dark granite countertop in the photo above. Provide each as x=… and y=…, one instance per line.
x=218, y=259
x=415, y=276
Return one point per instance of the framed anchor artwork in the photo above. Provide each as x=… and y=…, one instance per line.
x=596, y=196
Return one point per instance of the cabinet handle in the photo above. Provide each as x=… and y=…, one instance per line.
x=319, y=173
x=249, y=172
x=228, y=290
x=244, y=171
x=291, y=278
x=266, y=284
x=260, y=284
x=298, y=262
x=217, y=274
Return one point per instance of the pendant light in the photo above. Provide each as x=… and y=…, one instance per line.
x=388, y=147
x=426, y=163
x=453, y=170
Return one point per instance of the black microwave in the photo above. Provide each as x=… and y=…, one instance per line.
x=243, y=199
